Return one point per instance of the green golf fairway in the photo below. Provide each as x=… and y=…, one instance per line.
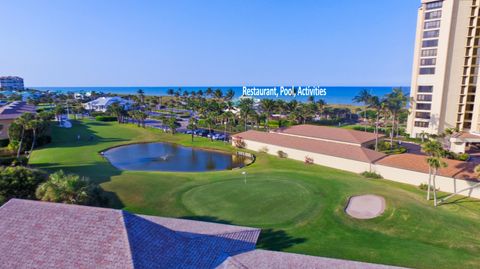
x=299, y=207
x=232, y=200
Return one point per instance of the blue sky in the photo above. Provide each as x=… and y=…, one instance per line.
x=202, y=43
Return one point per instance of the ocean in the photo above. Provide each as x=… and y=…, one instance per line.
x=334, y=94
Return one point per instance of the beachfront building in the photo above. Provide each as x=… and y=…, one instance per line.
x=351, y=151
x=82, y=95
x=10, y=112
x=101, y=104
x=48, y=235
x=8, y=83
x=445, y=88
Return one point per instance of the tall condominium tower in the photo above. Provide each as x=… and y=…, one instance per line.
x=445, y=69
x=11, y=83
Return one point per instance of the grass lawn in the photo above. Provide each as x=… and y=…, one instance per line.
x=300, y=208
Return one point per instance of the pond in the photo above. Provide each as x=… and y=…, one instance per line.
x=171, y=157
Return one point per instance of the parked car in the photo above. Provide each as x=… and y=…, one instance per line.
x=221, y=137
x=201, y=132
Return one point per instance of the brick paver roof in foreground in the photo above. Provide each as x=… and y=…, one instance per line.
x=328, y=133
x=315, y=146
x=48, y=235
x=264, y=259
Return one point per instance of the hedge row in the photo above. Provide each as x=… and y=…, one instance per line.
x=105, y=118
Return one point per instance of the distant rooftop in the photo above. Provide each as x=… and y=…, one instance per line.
x=328, y=133
x=11, y=78
x=14, y=109
x=304, y=143
x=417, y=163
x=103, y=101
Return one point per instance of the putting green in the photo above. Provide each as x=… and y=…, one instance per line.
x=277, y=201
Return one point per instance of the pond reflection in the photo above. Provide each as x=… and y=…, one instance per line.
x=171, y=157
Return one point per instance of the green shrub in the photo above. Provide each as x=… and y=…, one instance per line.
x=463, y=157
x=327, y=122
x=454, y=156
x=372, y=175
x=13, y=161
x=106, y=118
x=263, y=149
x=282, y=154
x=4, y=142
x=424, y=187
x=19, y=182
x=98, y=113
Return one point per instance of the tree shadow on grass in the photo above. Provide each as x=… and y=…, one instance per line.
x=277, y=240
x=270, y=239
x=207, y=219
x=458, y=200
x=63, y=137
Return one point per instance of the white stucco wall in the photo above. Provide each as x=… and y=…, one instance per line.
x=299, y=155
x=445, y=184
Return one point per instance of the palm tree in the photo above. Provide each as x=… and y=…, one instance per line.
x=423, y=134
x=267, y=106
x=142, y=116
x=434, y=150
x=321, y=106
x=66, y=188
x=218, y=94
x=209, y=92
x=33, y=125
x=59, y=110
x=375, y=103
x=172, y=124
x=246, y=107
x=291, y=106
x=229, y=95
x=23, y=122
x=364, y=97
x=141, y=96
x=434, y=163
x=210, y=122
x=226, y=116
x=192, y=125
x=116, y=110
x=395, y=102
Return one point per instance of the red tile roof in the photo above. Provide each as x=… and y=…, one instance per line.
x=328, y=133
x=315, y=146
x=415, y=162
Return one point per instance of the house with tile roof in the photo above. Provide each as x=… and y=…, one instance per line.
x=334, y=147
x=330, y=134
x=349, y=150
x=10, y=112
x=37, y=234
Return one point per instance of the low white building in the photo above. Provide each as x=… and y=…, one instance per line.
x=348, y=150
x=101, y=104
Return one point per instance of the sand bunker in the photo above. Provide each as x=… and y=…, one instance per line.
x=365, y=206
